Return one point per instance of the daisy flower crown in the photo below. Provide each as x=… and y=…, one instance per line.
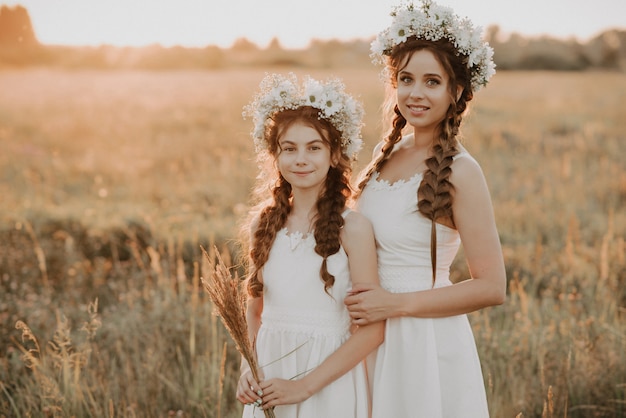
x=281, y=92
x=434, y=22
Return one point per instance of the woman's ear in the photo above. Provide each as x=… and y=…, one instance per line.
x=459, y=92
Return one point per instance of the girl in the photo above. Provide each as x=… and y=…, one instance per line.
x=306, y=250
x=424, y=195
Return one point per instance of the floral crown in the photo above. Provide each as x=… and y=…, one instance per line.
x=433, y=22
x=279, y=93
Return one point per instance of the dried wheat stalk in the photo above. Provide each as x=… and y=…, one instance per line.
x=229, y=300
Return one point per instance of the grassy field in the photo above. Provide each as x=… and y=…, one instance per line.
x=111, y=181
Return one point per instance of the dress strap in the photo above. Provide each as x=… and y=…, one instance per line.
x=346, y=212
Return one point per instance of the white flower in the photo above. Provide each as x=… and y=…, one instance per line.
x=432, y=21
x=313, y=92
x=280, y=92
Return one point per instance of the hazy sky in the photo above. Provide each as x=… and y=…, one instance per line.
x=293, y=22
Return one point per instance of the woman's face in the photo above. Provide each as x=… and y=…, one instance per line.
x=422, y=91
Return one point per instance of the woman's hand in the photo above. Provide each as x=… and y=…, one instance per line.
x=248, y=390
x=283, y=392
x=369, y=303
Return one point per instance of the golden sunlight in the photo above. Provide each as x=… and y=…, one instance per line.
x=295, y=23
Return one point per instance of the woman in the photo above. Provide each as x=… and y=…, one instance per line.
x=425, y=195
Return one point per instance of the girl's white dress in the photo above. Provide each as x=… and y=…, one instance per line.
x=426, y=367
x=302, y=325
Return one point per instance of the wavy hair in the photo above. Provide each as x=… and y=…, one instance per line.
x=435, y=192
x=271, y=214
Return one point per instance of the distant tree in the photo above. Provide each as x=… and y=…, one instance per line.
x=545, y=53
x=608, y=50
x=15, y=27
x=244, y=45
x=274, y=45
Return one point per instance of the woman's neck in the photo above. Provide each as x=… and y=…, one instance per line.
x=421, y=139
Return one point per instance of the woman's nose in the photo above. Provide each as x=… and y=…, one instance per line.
x=416, y=91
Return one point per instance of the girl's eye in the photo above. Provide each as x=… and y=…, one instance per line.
x=315, y=147
x=288, y=149
x=432, y=82
x=406, y=79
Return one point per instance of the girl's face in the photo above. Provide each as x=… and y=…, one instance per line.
x=304, y=157
x=422, y=92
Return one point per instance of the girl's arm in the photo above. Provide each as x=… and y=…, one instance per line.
x=474, y=219
x=358, y=242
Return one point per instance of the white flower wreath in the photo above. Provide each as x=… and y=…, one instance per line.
x=433, y=22
x=279, y=92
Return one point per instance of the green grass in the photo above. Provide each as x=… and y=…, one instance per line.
x=111, y=181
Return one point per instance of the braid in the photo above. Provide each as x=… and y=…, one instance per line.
x=435, y=192
x=399, y=122
x=329, y=220
x=271, y=220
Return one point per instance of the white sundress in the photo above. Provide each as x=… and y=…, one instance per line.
x=426, y=367
x=300, y=318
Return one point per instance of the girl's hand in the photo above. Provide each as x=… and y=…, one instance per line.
x=248, y=390
x=369, y=303
x=283, y=392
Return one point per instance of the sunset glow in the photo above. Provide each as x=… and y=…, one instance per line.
x=294, y=23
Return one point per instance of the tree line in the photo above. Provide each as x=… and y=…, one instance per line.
x=19, y=47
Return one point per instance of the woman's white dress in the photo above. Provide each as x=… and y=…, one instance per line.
x=426, y=367
x=304, y=325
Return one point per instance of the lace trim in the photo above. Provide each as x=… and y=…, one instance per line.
x=335, y=323
x=297, y=237
x=398, y=279
x=381, y=184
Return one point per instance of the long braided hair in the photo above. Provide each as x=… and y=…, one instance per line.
x=435, y=192
x=272, y=213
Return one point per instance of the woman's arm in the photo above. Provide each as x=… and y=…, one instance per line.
x=358, y=242
x=474, y=219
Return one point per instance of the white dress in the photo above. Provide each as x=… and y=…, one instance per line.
x=301, y=322
x=426, y=367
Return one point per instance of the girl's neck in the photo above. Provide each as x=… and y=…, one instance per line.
x=302, y=215
x=304, y=204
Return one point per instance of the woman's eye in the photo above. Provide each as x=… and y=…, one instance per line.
x=432, y=82
x=406, y=80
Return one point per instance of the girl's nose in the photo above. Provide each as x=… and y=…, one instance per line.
x=301, y=157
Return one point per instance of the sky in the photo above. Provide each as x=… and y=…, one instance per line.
x=198, y=23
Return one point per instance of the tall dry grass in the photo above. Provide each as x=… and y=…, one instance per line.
x=111, y=181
